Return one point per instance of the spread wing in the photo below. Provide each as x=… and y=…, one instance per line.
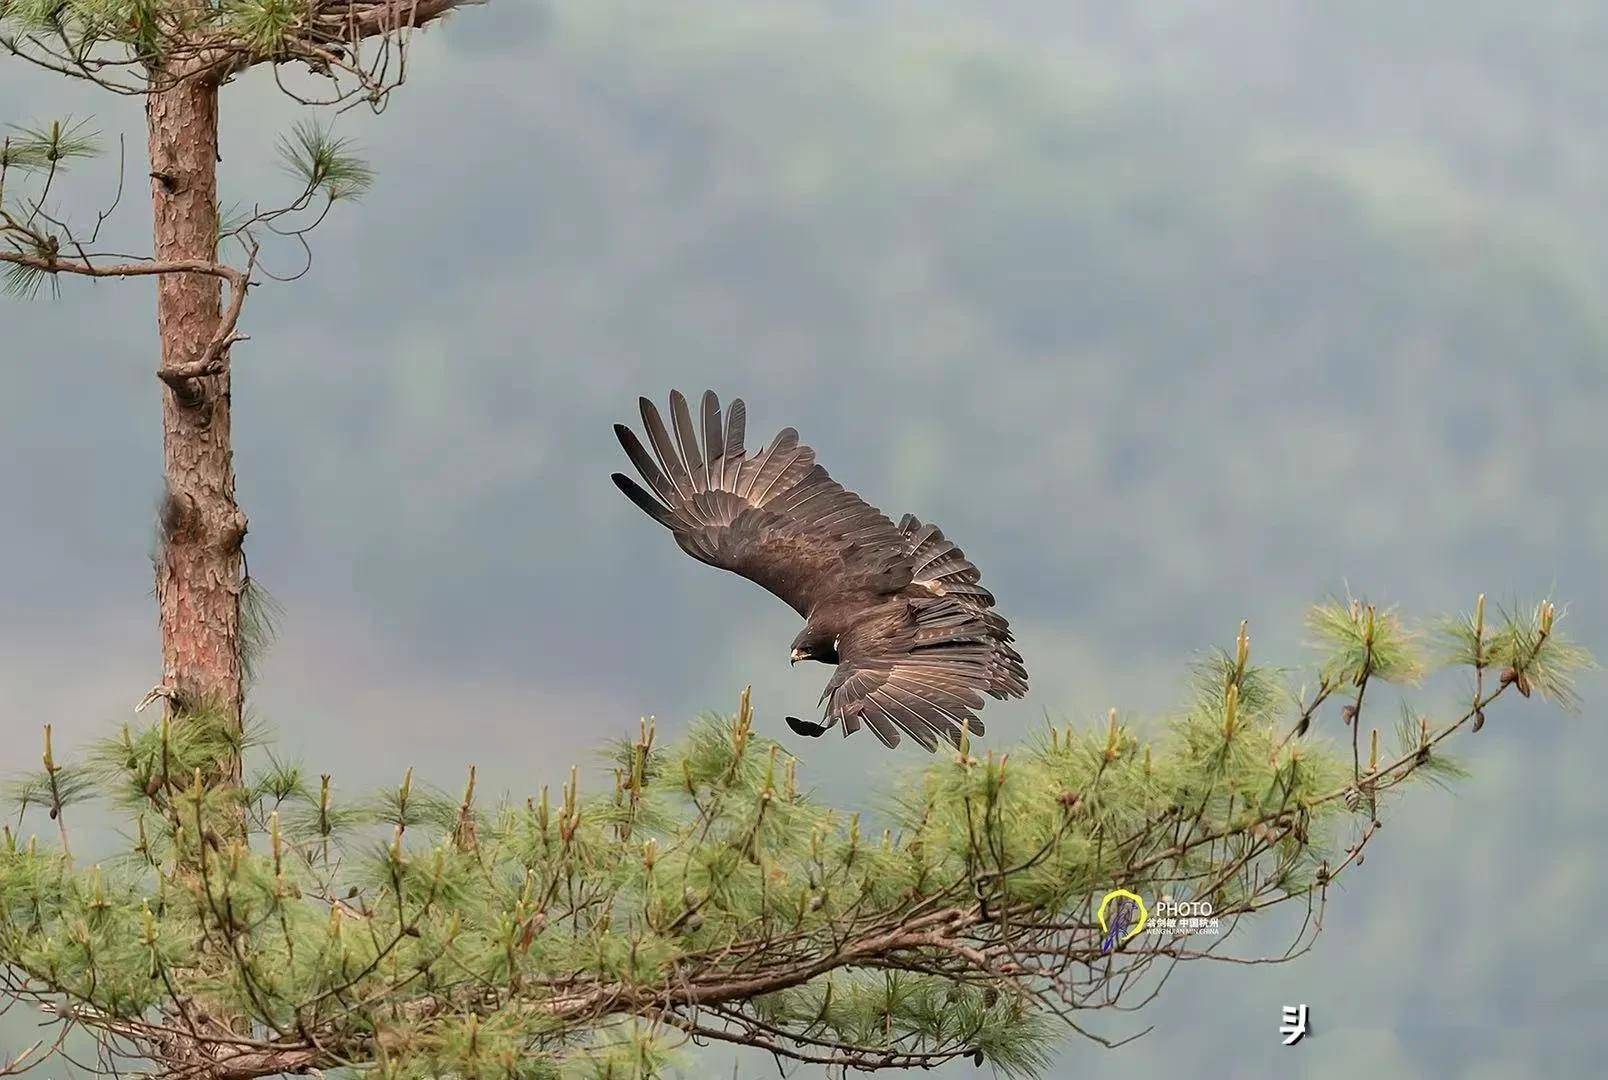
x=940, y=568
x=918, y=666
x=921, y=667
x=774, y=517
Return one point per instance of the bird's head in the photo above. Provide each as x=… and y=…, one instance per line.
x=814, y=643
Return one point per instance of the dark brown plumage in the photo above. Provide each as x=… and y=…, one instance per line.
x=898, y=608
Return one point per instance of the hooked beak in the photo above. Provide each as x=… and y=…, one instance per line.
x=798, y=654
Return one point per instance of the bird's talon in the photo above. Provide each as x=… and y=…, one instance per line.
x=806, y=728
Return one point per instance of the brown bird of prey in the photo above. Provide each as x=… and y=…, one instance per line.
x=897, y=608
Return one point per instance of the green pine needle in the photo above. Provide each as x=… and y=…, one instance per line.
x=1435, y=765
x=264, y=25
x=424, y=939
x=1533, y=647
x=22, y=281
x=323, y=162
x=50, y=146
x=1359, y=638
x=259, y=615
x=68, y=786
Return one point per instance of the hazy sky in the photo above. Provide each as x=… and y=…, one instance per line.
x=1169, y=318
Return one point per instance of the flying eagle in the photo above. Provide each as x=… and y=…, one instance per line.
x=897, y=608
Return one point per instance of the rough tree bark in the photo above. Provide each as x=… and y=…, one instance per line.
x=200, y=570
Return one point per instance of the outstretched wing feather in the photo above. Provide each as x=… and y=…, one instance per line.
x=687, y=436
x=644, y=463
x=669, y=460
x=776, y=517
x=654, y=508
x=714, y=441
x=736, y=427
x=913, y=670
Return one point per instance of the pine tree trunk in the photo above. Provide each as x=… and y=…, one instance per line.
x=200, y=568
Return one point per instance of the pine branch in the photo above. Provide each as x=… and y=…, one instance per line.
x=703, y=895
x=153, y=46
x=211, y=361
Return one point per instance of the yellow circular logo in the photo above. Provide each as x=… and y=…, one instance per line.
x=1122, y=921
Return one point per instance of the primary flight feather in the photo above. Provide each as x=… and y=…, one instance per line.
x=898, y=608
